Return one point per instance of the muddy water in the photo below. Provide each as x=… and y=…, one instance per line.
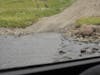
x=41, y=48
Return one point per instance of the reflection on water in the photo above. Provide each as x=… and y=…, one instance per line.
x=41, y=48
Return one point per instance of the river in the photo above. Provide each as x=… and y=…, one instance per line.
x=42, y=48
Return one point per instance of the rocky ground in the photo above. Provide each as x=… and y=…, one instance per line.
x=86, y=33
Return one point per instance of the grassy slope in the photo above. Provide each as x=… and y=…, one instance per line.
x=22, y=13
x=88, y=20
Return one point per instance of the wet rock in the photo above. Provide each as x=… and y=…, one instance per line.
x=62, y=52
x=84, y=50
x=89, y=51
x=94, y=50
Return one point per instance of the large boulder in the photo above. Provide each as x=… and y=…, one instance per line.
x=86, y=30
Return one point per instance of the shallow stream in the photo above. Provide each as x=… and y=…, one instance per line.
x=16, y=51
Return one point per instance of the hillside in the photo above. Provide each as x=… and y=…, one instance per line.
x=23, y=13
x=81, y=8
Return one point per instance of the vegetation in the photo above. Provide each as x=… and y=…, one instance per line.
x=22, y=13
x=88, y=21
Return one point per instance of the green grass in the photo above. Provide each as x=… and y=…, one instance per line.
x=88, y=21
x=22, y=13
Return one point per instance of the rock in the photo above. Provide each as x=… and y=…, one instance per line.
x=94, y=50
x=85, y=40
x=83, y=51
x=61, y=52
x=86, y=30
x=75, y=32
x=97, y=28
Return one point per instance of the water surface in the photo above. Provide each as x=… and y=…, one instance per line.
x=42, y=48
